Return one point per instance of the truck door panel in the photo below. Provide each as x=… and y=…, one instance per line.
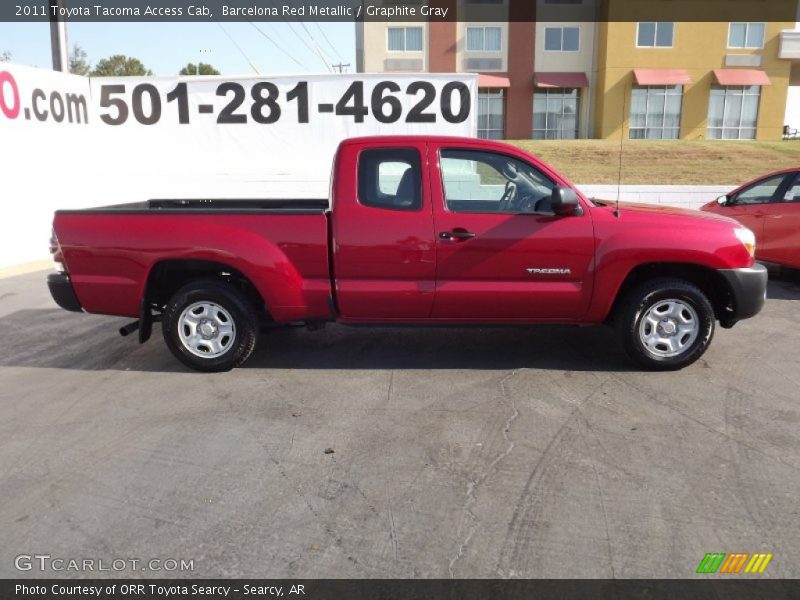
x=501, y=253
x=383, y=252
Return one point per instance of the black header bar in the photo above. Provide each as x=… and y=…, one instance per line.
x=428, y=589
x=399, y=10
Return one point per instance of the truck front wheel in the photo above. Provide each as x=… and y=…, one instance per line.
x=209, y=326
x=665, y=324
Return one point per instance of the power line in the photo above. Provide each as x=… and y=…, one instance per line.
x=324, y=35
x=278, y=46
x=340, y=67
x=319, y=51
x=298, y=36
x=315, y=49
x=239, y=48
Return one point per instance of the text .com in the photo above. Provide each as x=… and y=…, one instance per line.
x=55, y=106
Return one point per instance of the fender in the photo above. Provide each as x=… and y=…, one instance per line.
x=623, y=246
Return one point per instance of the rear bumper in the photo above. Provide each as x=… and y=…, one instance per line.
x=749, y=290
x=62, y=292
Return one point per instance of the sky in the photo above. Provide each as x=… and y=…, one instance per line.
x=165, y=48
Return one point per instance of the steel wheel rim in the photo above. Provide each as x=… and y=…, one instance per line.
x=669, y=328
x=206, y=329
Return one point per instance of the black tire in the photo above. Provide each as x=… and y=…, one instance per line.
x=635, y=306
x=241, y=312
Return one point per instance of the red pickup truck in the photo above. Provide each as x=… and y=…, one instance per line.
x=420, y=230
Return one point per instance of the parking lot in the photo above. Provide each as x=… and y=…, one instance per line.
x=456, y=452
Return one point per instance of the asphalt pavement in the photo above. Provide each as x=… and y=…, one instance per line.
x=465, y=452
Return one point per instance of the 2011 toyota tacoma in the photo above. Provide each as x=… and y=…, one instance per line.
x=420, y=230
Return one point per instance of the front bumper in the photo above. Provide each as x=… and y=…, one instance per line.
x=62, y=292
x=748, y=290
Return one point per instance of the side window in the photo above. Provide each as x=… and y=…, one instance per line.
x=390, y=178
x=793, y=193
x=760, y=192
x=487, y=182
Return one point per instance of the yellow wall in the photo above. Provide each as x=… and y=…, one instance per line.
x=699, y=48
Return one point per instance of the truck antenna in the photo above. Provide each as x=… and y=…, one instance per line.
x=621, y=136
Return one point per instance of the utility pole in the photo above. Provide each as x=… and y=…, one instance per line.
x=341, y=67
x=58, y=36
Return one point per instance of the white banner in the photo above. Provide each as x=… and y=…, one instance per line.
x=71, y=142
x=46, y=155
x=262, y=137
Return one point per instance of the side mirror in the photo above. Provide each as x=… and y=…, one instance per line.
x=722, y=200
x=564, y=201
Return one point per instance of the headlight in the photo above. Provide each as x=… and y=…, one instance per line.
x=748, y=239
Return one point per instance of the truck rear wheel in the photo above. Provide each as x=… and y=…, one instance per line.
x=665, y=324
x=209, y=326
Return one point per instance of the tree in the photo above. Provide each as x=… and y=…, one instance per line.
x=78, y=63
x=191, y=69
x=120, y=65
x=5, y=56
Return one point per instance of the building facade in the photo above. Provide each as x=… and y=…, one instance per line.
x=566, y=69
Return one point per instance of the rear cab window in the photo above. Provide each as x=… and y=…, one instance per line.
x=390, y=178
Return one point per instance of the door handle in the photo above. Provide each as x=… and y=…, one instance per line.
x=458, y=234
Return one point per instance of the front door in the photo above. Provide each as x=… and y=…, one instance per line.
x=501, y=252
x=748, y=206
x=782, y=226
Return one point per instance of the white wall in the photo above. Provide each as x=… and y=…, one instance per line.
x=683, y=196
x=792, y=118
x=793, y=108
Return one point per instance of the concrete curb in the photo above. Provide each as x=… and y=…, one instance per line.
x=25, y=268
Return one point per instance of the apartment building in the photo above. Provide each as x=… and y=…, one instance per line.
x=695, y=80
x=565, y=69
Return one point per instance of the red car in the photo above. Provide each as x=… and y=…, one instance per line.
x=421, y=231
x=770, y=208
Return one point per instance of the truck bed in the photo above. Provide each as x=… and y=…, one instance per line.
x=279, y=245
x=299, y=206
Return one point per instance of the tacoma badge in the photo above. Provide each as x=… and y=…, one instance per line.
x=553, y=271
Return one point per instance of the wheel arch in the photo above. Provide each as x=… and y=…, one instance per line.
x=169, y=275
x=708, y=280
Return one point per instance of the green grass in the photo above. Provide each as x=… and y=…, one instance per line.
x=664, y=162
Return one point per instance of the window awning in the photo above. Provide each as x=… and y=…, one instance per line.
x=493, y=81
x=560, y=80
x=662, y=76
x=741, y=77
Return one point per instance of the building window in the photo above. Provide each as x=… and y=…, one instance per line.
x=555, y=114
x=746, y=35
x=483, y=39
x=733, y=112
x=491, y=114
x=656, y=112
x=562, y=39
x=651, y=34
x=405, y=39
